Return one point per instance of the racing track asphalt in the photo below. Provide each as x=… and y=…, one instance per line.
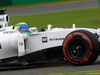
x=54, y=67
x=53, y=8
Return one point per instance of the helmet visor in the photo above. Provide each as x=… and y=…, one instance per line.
x=23, y=28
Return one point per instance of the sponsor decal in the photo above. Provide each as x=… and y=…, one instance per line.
x=9, y=32
x=21, y=43
x=1, y=19
x=46, y=39
x=56, y=39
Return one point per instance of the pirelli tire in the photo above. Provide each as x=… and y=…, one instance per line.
x=81, y=47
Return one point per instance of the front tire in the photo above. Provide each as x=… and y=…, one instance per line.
x=81, y=47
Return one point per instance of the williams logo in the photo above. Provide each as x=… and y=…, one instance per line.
x=44, y=40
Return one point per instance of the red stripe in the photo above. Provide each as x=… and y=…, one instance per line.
x=85, y=37
x=67, y=40
x=85, y=59
x=68, y=58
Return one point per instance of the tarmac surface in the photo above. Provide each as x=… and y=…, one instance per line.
x=53, y=67
x=45, y=69
x=53, y=8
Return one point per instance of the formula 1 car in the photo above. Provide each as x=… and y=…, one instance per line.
x=78, y=46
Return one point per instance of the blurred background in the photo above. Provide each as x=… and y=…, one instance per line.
x=24, y=2
x=59, y=13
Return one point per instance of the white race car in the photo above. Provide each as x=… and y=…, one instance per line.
x=78, y=46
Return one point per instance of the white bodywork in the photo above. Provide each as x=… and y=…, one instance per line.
x=13, y=43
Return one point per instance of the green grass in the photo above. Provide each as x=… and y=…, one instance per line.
x=89, y=18
x=69, y=74
x=81, y=73
x=37, y=4
x=68, y=0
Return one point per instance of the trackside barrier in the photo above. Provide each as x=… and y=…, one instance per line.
x=22, y=2
x=5, y=2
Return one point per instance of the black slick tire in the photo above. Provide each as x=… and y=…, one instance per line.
x=81, y=47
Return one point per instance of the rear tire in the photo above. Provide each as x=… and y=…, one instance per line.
x=81, y=47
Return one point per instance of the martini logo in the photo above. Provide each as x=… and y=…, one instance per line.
x=1, y=19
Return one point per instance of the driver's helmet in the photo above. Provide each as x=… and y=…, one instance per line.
x=23, y=27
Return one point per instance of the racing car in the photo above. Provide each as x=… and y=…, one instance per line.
x=23, y=45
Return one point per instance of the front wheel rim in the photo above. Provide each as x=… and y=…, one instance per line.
x=77, y=48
